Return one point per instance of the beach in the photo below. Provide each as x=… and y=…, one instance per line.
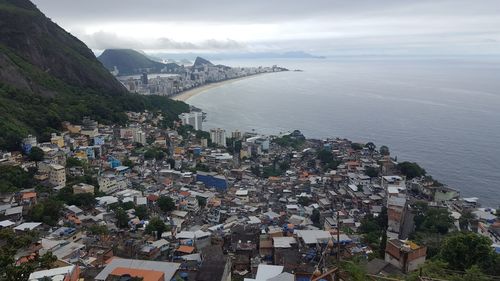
x=184, y=96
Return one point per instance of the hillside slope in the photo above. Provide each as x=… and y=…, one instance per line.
x=129, y=62
x=48, y=76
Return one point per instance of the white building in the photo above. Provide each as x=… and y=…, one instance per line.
x=193, y=118
x=140, y=137
x=218, y=136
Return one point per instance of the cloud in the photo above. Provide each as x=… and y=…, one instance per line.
x=108, y=40
x=323, y=27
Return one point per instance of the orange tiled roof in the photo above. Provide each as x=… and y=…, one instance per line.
x=184, y=193
x=147, y=275
x=185, y=249
x=28, y=195
x=153, y=197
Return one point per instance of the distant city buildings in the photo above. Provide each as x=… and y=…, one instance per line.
x=188, y=77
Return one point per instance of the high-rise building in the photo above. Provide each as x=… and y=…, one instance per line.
x=144, y=78
x=193, y=118
x=218, y=136
x=236, y=135
x=140, y=137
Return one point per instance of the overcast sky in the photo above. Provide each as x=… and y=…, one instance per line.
x=323, y=27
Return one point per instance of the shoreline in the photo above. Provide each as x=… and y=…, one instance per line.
x=185, y=95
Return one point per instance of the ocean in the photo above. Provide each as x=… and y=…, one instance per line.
x=443, y=113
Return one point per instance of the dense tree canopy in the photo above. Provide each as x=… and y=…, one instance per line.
x=411, y=170
x=36, y=154
x=156, y=225
x=463, y=250
x=13, y=178
x=165, y=203
x=46, y=211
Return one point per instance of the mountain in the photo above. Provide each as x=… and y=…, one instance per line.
x=199, y=61
x=129, y=62
x=48, y=76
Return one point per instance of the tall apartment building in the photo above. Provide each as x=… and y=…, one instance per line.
x=218, y=136
x=193, y=118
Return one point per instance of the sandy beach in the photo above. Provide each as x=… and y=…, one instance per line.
x=183, y=96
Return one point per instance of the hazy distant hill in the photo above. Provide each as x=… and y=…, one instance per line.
x=246, y=55
x=48, y=76
x=129, y=62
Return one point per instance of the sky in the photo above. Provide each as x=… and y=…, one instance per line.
x=320, y=27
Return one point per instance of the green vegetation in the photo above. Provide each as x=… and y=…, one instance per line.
x=121, y=217
x=371, y=146
x=156, y=225
x=462, y=256
x=83, y=200
x=142, y=212
x=11, y=243
x=431, y=226
x=372, y=172
x=46, y=211
x=304, y=201
x=13, y=178
x=411, y=170
x=356, y=146
x=289, y=141
x=315, y=217
x=73, y=162
x=155, y=153
x=36, y=154
x=202, y=201
x=327, y=159
x=463, y=250
x=384, y=150
x=96, y=229
x=165, y=203
x=127, y=162
x=374, y=231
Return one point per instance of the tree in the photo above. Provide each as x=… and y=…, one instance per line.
x=36, y=154
x=315, y=217
x=384, y=150
x=304, y=200
x=356, y=146
x=156, y=225
x=47, y=211
x=13, y=178
x=97, y=229
x=464, y=249
x=47, y=260
x=411, y=170
x=121, y=217
x=127, y=162
x=142, y=212
x=165, y=203
x=372, y=172
x=465, y=220
x=202, y=201
x=73, y=162
x=371, y=146
x=438, y=220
